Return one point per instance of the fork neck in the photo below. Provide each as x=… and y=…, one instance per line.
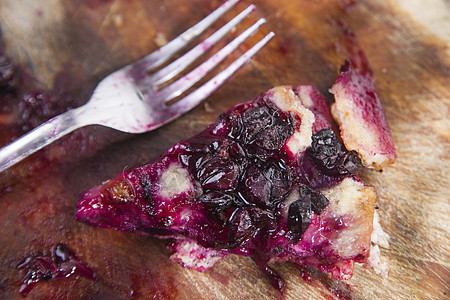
x=41, y=136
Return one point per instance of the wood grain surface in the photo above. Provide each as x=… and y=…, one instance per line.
x=70, y=45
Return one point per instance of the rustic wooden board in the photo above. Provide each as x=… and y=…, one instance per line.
x=73, y=44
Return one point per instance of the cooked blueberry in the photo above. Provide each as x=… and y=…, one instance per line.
x=200, y=160
x=255, y=120
x=256, y=152
x=317, y=200
x=280, y=183
x=330, y=154
x=147, y=188
x=216, y=198
x=256, y=187
x=240, y=228
x=299, y=218
x=263, y=219
x=325, y=147
x=352, y=162
x=217, y=173
x=217, y=203
x=299, y=212
x=236, y=151
x=273, y=137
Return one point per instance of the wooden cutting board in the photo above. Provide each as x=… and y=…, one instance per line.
x=71, y=45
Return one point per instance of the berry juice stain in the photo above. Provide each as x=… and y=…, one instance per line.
x=60, y=264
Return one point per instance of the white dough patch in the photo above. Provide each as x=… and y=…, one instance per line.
x=379, y=236
x=354, y=202
x=174, y=181
x=304, y=93
x=193, y=256
x=350, y=197
x=286, y=100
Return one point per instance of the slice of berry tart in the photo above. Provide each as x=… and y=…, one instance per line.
x=270, y=179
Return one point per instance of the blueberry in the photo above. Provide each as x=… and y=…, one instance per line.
x=256, y=187
x=265, y=185
x=352, y=162
x=317, y=200
x=263, y=219
x=254, y=121
x=219, y=174
x=325, y=147
x=280, y=182
x=299, y=218
x=236, y=151
x=240, y=228
x=331, y=155
x=299, y=212
x=216, y=198
x=273, y=137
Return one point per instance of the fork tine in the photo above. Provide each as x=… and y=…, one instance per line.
x=184, y=83
x=181, y=63
x=196, y=97
x=161, y=55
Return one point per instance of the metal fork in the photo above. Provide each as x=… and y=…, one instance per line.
x=130, y=100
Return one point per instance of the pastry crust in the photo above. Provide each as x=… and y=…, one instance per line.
x=360, y=115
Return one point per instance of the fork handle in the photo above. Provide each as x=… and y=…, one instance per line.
x=40, y=137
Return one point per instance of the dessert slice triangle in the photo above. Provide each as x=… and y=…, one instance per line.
x=270, y=179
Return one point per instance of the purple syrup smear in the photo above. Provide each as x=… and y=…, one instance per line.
x=61, y=264
x=242, y=180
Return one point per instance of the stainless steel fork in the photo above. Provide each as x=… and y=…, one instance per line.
x=130, y=100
